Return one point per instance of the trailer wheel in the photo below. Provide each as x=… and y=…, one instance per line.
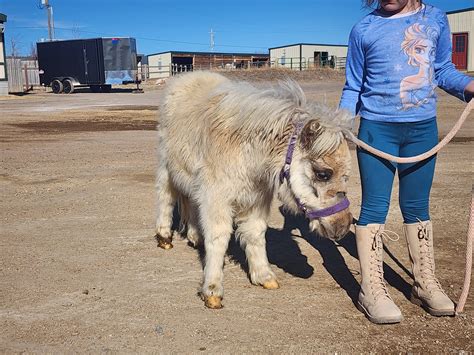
x=57, y=86
x=68, y=86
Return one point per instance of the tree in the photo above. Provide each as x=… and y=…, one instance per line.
x=33, y=51
x=14, y=47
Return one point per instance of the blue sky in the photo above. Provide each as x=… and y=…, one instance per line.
x=158, y=26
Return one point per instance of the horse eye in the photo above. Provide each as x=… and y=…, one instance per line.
x=323, y=175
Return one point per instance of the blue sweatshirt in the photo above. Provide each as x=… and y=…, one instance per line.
x=395, y=63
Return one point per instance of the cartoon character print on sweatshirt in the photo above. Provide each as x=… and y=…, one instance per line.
x=419, y=46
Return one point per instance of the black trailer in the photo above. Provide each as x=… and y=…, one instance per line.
x=96, y=62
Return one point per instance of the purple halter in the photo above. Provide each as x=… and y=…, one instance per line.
x=285, y=174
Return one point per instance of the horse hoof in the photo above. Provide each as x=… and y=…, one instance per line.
x=164, y=243
x=165, y=246
x=271, y=285
x=213, y=302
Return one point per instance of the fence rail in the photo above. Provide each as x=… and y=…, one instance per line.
x=298, y=63
x=23, y=75
x=165, y=71
x=146, y=72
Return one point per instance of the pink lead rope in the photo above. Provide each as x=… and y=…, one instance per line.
x=434, y=150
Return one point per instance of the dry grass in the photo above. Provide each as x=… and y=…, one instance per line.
x=268, y=75
x=271, y=74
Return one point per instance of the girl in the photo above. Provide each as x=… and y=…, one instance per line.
x=397, y=56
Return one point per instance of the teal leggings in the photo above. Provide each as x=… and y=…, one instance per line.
x=400, y=139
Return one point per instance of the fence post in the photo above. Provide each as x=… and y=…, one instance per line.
x=25, y=68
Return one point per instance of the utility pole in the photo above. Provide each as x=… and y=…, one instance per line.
x=212, y=40
x=49, y=9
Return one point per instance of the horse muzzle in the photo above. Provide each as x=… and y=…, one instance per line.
x=333, y=227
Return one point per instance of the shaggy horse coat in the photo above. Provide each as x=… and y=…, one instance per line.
x=222, y=145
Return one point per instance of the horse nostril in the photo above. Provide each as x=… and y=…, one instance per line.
x=341, y=194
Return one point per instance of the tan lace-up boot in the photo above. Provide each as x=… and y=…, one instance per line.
x=374, y=300
x=427, y=291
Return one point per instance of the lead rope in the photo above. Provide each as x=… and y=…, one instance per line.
x=467, y=271
x=426, y=155
x=419, y=157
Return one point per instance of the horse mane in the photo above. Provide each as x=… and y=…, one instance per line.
x=332, y=122
x=265, y=114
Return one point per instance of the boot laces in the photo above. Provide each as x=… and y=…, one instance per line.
x=427, y=258
x=380, y=288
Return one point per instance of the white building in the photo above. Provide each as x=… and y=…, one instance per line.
x=301, y=56
x=461, y=23
x=3, y=60
x=165, y=64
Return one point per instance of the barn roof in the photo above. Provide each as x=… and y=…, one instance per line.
x=213, y=53
x=310, y=44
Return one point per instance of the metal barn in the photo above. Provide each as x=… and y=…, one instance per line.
x=3, y=61
x=461, y=23
x=165, y=64
x=301, y=56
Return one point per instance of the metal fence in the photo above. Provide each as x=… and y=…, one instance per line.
x=23, y=75
x=164, y=71
x=146, y=72
x=298, y=63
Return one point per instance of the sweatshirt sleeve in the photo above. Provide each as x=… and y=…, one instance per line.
x=448, y=78
x=355, y=64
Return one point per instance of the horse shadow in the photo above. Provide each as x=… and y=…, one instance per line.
x=335, y=264
x=284, y=252
x=333, y=261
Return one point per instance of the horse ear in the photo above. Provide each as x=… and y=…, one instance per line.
x=311, y=131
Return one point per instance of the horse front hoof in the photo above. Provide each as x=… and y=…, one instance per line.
x=164, y=243
x=213, y=302
x=271, y=285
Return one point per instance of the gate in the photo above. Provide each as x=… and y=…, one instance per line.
x=22, y=75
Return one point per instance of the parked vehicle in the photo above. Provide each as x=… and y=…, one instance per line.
x=97, y=63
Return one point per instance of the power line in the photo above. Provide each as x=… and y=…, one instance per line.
x=141, y=38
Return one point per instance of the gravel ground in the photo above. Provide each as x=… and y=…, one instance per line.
x=81, y=272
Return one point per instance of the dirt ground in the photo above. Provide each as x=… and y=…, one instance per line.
x=80, y=270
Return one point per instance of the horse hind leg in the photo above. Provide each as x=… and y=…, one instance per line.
x=166, y=199
x=193, y=233
x=189, y=221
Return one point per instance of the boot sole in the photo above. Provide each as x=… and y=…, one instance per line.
x=379, y=320
x=432, y=311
